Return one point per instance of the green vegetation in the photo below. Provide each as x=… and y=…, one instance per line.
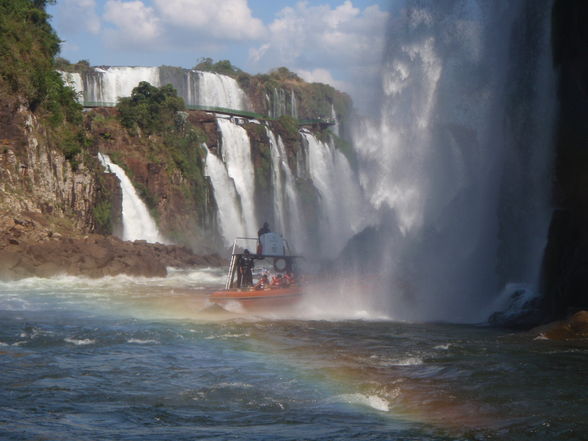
x=315, y=100
x=282, y=74
x=152, y=109
x=66, y=66
x=289, y=126
x=159, y=113
x=222, y=67
x=28, y=46
x=103, y=216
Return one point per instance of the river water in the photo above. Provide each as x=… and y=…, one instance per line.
x=147, y=359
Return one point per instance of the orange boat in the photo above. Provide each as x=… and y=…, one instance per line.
x=272, y=259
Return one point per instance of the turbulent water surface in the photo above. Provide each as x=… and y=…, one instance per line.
x=148, y=359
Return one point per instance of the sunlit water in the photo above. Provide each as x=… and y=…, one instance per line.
x=148, y=359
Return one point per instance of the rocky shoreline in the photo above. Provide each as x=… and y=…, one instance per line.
x=29, y=250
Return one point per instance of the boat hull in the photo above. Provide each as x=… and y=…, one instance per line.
x=256, y=299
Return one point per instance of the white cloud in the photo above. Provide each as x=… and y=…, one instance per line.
x=323, y=76
x=307, y=36
x=155, y=25
x=341, y=46
x=79, y=15
x=224, y=20
x=136, y=24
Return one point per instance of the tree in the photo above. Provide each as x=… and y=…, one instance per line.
x=151, y=108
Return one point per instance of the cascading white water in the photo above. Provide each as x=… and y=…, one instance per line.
x=236, y=153
x=230, y=218
x=107, y=85
x=220, y=91
x=73, y=80
x=293, y=104
x=460, y=156
x=287, y=214
x=335, y=128
x=342, y=213
x=137, y=222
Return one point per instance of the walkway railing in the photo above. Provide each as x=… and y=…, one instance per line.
x=226, y=111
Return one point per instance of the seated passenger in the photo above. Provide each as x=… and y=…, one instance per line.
x=288, y=278
x=277, y=280
x=263, y=282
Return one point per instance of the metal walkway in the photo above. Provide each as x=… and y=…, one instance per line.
x=231, y=112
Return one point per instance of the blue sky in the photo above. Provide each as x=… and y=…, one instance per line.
x=333, y=41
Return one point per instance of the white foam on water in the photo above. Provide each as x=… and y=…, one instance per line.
x=79, y=342
x=374, y=401
x=60, y=286
x=139, y=341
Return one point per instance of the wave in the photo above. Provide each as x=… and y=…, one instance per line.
x=79, y=342
x=374, y=401
x=138, y=341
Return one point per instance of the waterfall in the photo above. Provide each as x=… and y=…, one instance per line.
x=73, y=80
x=342, y=213
x=293, y=105
x=287, y=215
x=107, y=85
x=137, y=222
x=236, y=154
x=220, y=91
x=458, y=164
x=335, y=128
x=231, y=223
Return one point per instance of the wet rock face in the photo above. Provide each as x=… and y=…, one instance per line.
x=574, y=328
x=523, y=316
x=93, y=256
x=36, y=178
x=565, y=269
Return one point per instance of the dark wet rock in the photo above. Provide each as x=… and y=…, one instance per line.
x=522, y=311
x=573, y=328
x=95, y=256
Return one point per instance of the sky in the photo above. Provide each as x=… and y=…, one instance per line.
x=338, y=42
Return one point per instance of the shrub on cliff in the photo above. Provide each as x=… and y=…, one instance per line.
x=152, y=109
x=223, y=67
x=28, y=45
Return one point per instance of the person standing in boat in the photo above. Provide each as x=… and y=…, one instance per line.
x=246, y=264
x=263, y=230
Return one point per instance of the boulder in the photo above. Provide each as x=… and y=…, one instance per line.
x=573, y=328
x=94, y=256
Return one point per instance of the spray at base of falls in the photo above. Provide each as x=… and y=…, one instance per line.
x=287, y=211
x=342, y=213
x=462, y=140
x=137, y=222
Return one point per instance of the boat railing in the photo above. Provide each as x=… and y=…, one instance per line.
x=236, y=253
